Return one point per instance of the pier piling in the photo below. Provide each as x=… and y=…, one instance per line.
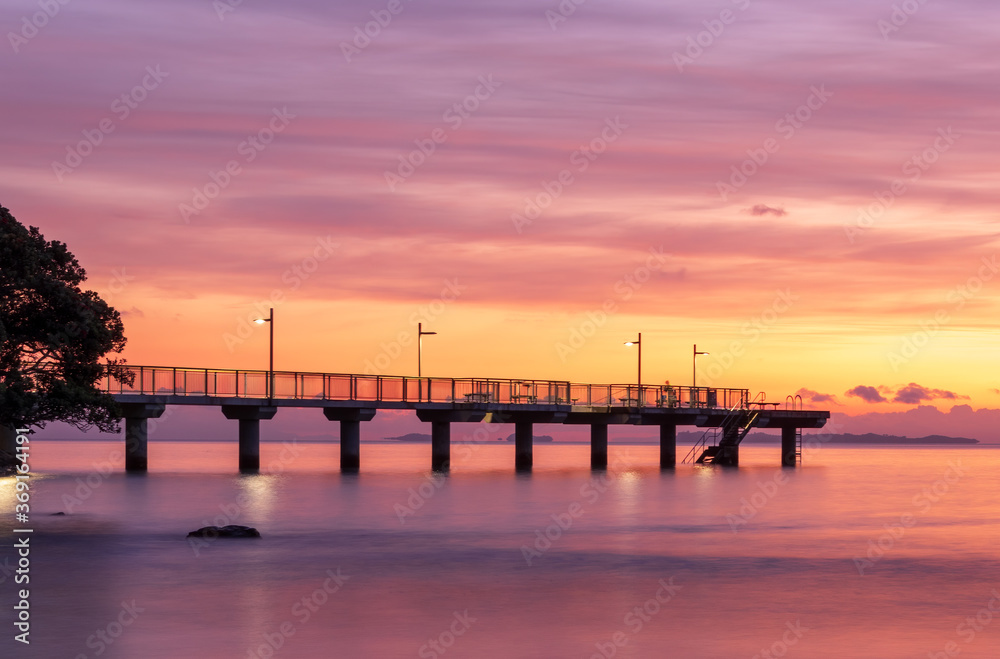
x=668, y=446
x=523, y=458
x=788, y=447
x=350, y=445
x=440, y=445
x=249, y=417
x=599, y=446
x=350, y=419
x=137, y=417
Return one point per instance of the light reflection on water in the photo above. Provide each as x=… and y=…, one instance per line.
x=461, y=547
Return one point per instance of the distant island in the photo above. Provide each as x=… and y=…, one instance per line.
x=422, y=437
x=410, y=437
x=867, y=438
x=537, y=438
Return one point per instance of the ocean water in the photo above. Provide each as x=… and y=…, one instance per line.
x=861, y=552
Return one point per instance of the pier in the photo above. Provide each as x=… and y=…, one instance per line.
x=250, y=397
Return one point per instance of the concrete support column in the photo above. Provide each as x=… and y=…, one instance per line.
x=350, y=445
x=788, y=447
x=523, y=458
x=350, y=419
x=137, y=434
x=668, y=446
x=249, y=445
x=8, y=449
x=440, y=445
x=441, y=420
x=728, y=456
x=249, y=417
x=136, y=445
x=598, y=446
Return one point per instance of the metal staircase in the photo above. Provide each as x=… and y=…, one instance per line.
x=736, y=425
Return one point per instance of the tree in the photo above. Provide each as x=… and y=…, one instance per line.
x=53, y=336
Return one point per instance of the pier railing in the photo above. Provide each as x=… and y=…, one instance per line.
x=287, y=385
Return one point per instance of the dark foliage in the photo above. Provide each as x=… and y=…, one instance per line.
x=53, y=336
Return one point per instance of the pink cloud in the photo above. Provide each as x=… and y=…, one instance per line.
x=914, y=394
x=811, y=396
x=758, y=210
x=867, y=394
x=911, y=394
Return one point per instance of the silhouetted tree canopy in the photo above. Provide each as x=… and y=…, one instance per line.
x=53, y=336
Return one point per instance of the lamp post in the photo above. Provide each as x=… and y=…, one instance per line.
x=270, y=366
x=638, y=342
x=420, y=342
x=694, y=366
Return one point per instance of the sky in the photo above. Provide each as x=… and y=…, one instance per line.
x=800, y=189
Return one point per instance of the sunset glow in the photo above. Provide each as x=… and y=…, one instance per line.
x=804, y=190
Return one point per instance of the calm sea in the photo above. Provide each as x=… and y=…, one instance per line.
x=862, y=552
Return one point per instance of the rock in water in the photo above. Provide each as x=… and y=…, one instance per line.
x=230, y=531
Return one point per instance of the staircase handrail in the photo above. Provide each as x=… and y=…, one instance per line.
x=703, y=440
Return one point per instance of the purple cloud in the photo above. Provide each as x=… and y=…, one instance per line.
x=867, y=394
x=914, y=394
x=763, y=209
x=817, y=397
